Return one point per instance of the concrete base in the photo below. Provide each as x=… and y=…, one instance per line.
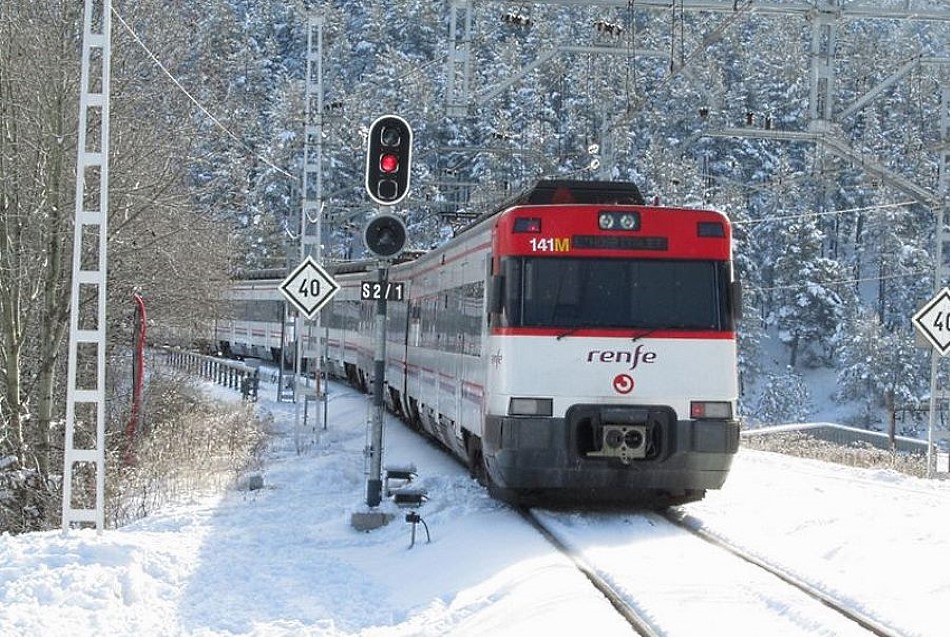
x=369, y=520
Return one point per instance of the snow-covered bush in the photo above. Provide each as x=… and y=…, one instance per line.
x=782, y=398
x=25, y=497
x=195, y=446
x=856, y=455
x=879, y=368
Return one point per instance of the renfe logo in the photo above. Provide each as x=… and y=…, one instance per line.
x=634, y=358
x=623, y=383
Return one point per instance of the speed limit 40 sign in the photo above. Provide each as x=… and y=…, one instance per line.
x=309, y=287
x=933, y=321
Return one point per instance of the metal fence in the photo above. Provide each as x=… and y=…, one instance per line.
x=844, y=435
x=227, y=373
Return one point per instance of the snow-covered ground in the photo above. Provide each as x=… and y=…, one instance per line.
x=285, y=560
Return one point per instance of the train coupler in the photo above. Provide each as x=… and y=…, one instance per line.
x=624, y=442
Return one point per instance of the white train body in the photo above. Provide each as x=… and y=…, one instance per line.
x=567, y=351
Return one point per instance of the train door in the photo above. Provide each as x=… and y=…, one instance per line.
x=458, y=331
x=399, y=355
x=413, y=371
x=445, y=365
x=472, y=370
x=452, y=329
x=428, y=364
x=461, y=316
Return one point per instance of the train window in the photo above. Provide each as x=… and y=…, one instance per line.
x=512, y=290
x=617, y=293
x=472, y=310
x=559, y=296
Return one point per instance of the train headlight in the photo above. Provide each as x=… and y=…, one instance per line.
x=718, y=410
x=618, y=220
x=531, y=407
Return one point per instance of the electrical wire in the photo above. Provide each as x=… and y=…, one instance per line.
x=624, y=118
x=194, y=100
x=841, y=281
x=825, y=212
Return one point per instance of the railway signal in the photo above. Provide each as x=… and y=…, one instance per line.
x=385, y=236
x=388, y=160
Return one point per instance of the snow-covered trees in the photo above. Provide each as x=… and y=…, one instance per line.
x=812, y=291
x=808, y=263
x=38, y=106
x=157, y=244
x=879, y=368
x=783, y=397
x=820, y=242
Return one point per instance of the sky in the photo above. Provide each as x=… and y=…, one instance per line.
x=286, y=560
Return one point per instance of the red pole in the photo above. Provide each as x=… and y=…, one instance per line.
x=138, y=374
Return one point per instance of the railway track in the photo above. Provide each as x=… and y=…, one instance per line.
x=694, y=526
x=668, y=576
x=637, y=622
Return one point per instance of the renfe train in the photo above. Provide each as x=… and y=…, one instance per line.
x=576, y=346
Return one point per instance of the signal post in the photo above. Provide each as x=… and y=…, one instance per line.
x=385, y=237
x=388, y=162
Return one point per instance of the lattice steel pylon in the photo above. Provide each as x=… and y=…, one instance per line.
x=311, y=219
x=84, y=447
x=459, y=58
x=941, y=272
x=823, y=43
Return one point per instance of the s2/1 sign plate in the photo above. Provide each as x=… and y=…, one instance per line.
x=374, y=290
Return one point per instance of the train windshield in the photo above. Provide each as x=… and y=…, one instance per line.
x=616, y=293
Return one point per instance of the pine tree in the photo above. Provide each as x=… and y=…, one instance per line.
x=783, y=398
x=879, y=368
x=813, y=300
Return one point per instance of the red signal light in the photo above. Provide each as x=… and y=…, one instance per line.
x=388, y=159
x=388, y=163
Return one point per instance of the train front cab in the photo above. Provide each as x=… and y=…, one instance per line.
x=613, y=355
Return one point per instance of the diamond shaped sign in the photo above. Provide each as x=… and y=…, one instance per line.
x=933, y=321
x=309, y=287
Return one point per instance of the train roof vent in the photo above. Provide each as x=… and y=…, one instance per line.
x=560, y=191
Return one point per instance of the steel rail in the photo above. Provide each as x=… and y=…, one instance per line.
x=693, y=526
x=630, y=614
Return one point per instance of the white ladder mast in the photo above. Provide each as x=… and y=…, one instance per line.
x=941, y=272
x=311, y=228
x=84, y=456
